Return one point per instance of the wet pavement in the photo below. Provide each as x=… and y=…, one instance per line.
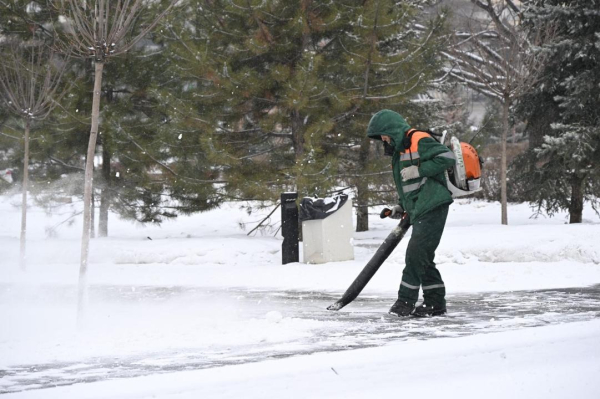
x=363, y=323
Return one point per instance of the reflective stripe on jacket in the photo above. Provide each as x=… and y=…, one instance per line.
x=428, y=191
x=421, y=195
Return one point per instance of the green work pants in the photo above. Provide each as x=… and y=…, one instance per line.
x=420, y=270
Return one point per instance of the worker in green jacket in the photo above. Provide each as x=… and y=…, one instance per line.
x=418, y=163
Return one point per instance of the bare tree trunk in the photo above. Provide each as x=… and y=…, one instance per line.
x=362, y=208
x=106, y=194
x=576, y=205
x=22, y=257
x=298, y=142
x=93, y=215
x=503, y=196
x=362, y=188
x=87, y=194
x=540, y=120
x=298, y=134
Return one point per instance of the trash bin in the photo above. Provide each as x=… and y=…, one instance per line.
x=327, y=229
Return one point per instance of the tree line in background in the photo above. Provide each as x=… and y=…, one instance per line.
x=242, y=100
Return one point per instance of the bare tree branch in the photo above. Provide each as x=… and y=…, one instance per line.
x=500, y=66
x=30, y=85
x=99, y=29
x=66, y=165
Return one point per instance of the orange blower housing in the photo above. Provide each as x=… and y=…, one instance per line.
x=471, y=159
x=465, y=177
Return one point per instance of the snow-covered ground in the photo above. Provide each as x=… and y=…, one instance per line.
x=550, y=362
x=195, y=308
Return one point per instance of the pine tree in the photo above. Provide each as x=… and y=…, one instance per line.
x=281, y=92
x=160, y=170
x=388, y=59
x=564, y=166
x=131, y=119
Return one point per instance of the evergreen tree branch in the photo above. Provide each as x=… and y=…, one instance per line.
x=66, y=165
x=168, y=169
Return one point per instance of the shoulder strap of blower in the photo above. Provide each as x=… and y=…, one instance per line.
x=407, y=141
x=407, y=145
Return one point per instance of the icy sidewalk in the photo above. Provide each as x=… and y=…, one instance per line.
x=362, y=324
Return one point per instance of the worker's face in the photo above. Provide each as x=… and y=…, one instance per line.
x=388, y=147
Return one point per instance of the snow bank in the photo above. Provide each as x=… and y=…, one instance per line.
x=211, y=250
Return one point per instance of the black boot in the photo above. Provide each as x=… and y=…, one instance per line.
x=401, y=308
x=425, y=310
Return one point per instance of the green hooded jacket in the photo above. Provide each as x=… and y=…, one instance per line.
x=428, y=191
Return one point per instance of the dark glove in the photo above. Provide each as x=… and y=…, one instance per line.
x=395, y=213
